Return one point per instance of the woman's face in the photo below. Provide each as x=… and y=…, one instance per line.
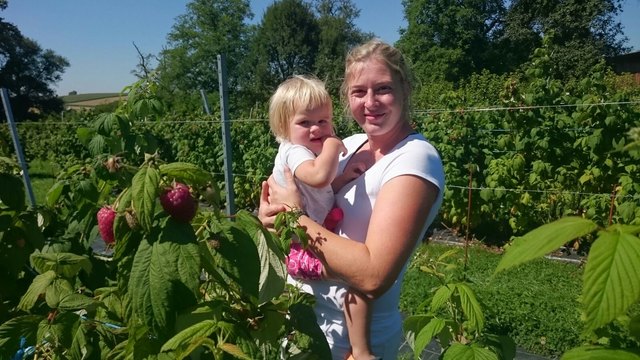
x=375, y=97
x=311, y=127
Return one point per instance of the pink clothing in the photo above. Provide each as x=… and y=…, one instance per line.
x=303, y=264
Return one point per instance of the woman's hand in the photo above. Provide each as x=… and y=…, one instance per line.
x=275, y=199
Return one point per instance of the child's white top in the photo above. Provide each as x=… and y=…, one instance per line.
x=317, y=201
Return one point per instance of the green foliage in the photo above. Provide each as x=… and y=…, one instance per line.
x=19, y=237
x=553, y=150
x=610, y=284
x=540, y=316
x=209, y=28
x=215, y=285
x=454, y=317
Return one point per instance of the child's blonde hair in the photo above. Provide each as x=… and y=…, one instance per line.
x=297, y=92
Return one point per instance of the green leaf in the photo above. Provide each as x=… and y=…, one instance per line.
x=544, y=240
x=61, y=328
x=75, y=301
x=611, y=277
x=67, y=265
x=165, y=276
x=634, y=327
x=184, y=338
x=12, y=192
x=598, y=353
x=234, y=350
x=471, y=307
x=58, y=289
x=442, y=295
x=144, y=191
x=426, y=334
x=458, y=351
x=54, y=193
x=84, y=135
x=97, y=144
x=303, y=319
x=37, y=287
x=412, y=325
x=238, y=258
x=11, y=331
x=273, y=271
x=186, y=172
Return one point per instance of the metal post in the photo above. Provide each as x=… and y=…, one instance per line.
x=17, y=146
x=205, y=102
x=226, y=137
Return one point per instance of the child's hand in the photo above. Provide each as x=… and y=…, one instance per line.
x=336, y=143
x=353, y=170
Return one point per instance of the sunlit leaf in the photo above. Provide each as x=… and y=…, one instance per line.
x=458, y=351
x=144, y=192
x=598, y=353
x=181, y=340
x=471, y=307
x=186, y=172
x=38, y=286
x=544, y=240
x=425, y=335
x=441, y=296
x=611, y=277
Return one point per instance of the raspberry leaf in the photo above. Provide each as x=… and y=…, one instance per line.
x=144, y=190
x=186, y=172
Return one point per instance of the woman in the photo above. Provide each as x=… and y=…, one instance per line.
x=387, y=209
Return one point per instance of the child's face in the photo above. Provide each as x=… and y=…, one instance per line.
x=310, y=127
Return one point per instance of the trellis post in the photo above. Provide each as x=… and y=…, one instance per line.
x=226, y=137
x=17, y=146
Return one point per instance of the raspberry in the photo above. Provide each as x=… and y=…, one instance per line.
x=178, y=202
x=106, y=215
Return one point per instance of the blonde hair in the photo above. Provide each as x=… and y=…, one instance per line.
x=387, y=54
x=293, y=94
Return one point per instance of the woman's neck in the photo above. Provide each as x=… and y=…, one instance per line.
x=383, y=144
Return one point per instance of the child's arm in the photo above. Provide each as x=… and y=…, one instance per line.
x=321, y=171
x=357, y=316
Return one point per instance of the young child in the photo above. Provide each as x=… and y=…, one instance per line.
x=300, y=116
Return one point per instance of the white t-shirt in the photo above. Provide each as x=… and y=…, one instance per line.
x=318, y=201
x=412, y=156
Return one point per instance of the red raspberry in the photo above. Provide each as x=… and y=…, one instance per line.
x=106, y=215
x=178, y=202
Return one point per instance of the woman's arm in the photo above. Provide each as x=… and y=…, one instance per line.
x=400, y=211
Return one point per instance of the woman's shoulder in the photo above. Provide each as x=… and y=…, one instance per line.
x=417, y=142
x=354, y=141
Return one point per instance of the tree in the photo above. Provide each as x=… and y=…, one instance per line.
x=209, y=28
x=585, y=30
x=449, y=40
x=286, y=43
x=338, y=34
x=28, y=72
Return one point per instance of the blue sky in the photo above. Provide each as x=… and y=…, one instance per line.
x=97, y=36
